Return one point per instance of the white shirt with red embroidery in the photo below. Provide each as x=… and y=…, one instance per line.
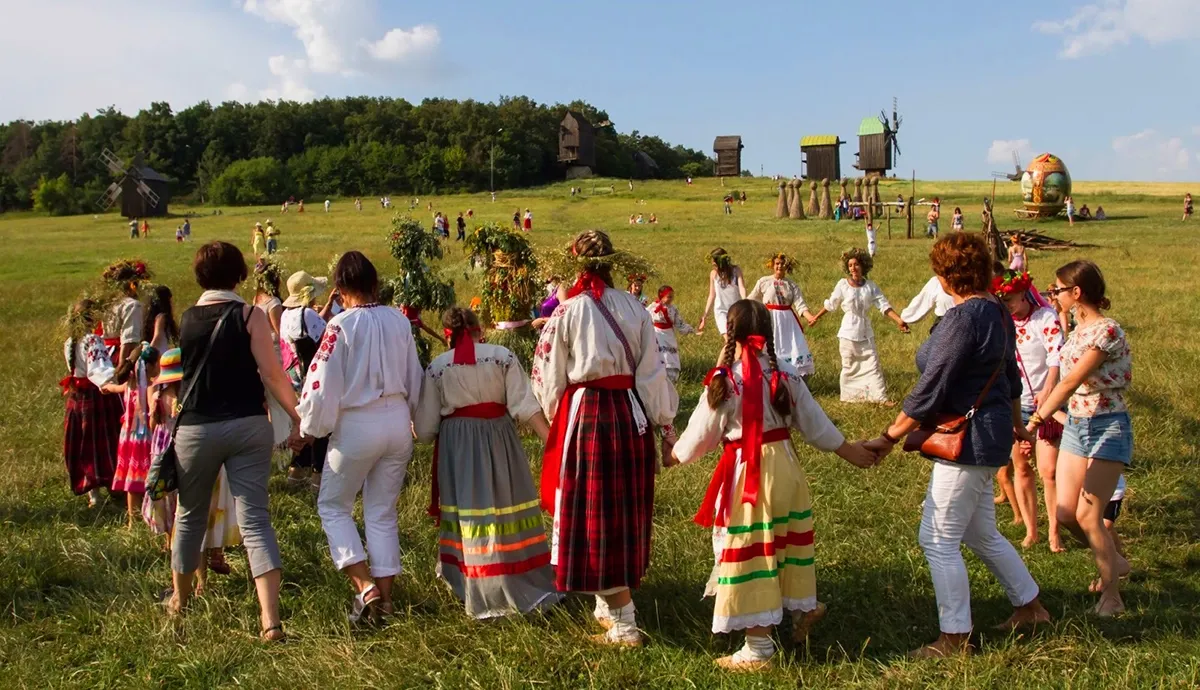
x=366, y=353
x=707, y=427
x=770, y=290
x=856, y=302
x=91, y=359
x=577, y=344
x=1103, y=392
x=666, y=321
x=495, y=377
x=1039, y=340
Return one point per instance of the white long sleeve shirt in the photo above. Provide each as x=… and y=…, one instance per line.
x=124, y=321
x=91, y=359
x=577, y=344
x=931, y=298
x=495, y=377
x=367, y=353
x=707, y=427
x=770, y=290
x=856, y=302
x=1039, y=340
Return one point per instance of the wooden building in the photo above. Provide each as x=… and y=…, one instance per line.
x=821, y=157
x=135, y=204
x=729, y=156
x=577, y=145
x=644, y=167
x=874, y=147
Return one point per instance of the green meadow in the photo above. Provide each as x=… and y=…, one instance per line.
x=78, y=590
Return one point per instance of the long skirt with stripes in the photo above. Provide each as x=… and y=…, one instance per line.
x=765, y=555
x=493, y=551
x=91, y=428
x=605, y=503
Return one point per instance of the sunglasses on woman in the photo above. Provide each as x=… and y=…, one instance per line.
x=1055, y=291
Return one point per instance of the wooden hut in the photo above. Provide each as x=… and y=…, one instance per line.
x=821, y=157
x=729, y=156
x=577, y=145
x=874, y=147
x=137, y=205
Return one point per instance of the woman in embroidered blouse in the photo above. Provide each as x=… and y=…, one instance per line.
x=862, y=377
x=598, y=468
x=725, y=286
x=785, y=303
x=1097, y=441
x=754, y=398
x=667, y=320
x=361, y=390
x=493, y=551
x=967, y=364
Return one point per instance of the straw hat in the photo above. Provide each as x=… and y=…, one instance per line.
x=170, y=367
x=303, y=288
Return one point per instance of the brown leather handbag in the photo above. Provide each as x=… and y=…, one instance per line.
x=943, y=438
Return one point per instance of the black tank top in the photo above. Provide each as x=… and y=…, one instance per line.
x=230, y=386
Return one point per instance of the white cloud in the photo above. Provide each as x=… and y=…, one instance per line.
x=1098, y=27
x=290, y=78
x=398, y=44
x=1001, y=151
x=1151, y=155
x=1196, y=131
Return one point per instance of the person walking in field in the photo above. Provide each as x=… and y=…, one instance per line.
x=327, y=205
x=1070, y=211
x=667, y=321
x=862, y=377
x=493, y=550
x=272, y=234
x=300, y=206
x=133, y=229
x=871, y=243
x=599, y=379
x=187, y=229
x=516, y=219
x=145, y=228
x=256, y=239
x=956, y=220
x=1187, y=206
x=726, y=285
x=461, y=226
x=785, y=304
x=758, y=503
x=528, y=223
x=728, y=201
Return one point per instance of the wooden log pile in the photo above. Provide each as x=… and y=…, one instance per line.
x=1032, y=239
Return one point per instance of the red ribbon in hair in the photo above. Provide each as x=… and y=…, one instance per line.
x=721, y=371
x=752, y=414
x=464, y=347
x=588, y=282
x=664, y=291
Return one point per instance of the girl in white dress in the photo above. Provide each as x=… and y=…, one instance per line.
x=862, y=377
x=783, y=300
x=725, y=286
x=667, y=320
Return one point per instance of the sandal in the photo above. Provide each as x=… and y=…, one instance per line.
x=274, y=633
x=365, y=608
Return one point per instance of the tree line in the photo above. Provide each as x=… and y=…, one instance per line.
x=238, y=153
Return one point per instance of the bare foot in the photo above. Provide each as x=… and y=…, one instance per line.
x=1000, y=499
x=1029, y=615
x=1123, y=570
x=1056, y=545
x=729, y=664
x=1109, y=605
x=803, y=624
x=1030, y=540
x=944, y=646
x=1017, y=519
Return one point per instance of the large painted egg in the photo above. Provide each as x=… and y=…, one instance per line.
x=1045, y=186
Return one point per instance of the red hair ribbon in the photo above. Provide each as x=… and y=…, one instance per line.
x=752, y=415
x=664, y=291
x=720, y=371
x=588, y=282
x=464, y=347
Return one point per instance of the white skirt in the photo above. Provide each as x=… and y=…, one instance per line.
x=862, y=377
x=668, y=347
x=790, y=344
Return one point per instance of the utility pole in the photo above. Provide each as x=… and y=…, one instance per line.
x=492, y=171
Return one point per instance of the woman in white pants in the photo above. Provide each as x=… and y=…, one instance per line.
x=968, y=368
x=361, y=390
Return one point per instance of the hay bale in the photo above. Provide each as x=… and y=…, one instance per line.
x=875, y=196
x=858, y=192
x=795, y=208
x=826, y=210
x=781, y=204
x=844, y=193
x=814, y=204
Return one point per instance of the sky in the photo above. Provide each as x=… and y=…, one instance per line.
x=1107, y=85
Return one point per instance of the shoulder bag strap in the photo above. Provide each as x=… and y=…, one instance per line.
x=612, y=322
x=999, y=365
x=212, y=339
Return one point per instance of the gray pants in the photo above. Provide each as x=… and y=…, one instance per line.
x=243, y=446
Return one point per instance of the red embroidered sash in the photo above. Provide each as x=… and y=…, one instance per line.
x=488, y=410
x=786, y=307
x=556, y=442
x=722, y=483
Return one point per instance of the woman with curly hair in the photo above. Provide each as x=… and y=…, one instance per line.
x=599, y=379
x=862, y=377
x=782, y=298
x=758, y=503
x=725, y=286
x=967, y=369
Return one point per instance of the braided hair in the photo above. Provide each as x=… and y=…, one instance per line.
x=746, y=318
x=595, y=244
x=458, y=320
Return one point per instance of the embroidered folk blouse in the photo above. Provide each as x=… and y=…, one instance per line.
x=91, y=359
x=495, y=377
x=770, y=290
x=856, y=302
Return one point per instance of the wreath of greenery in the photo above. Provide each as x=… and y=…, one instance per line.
x=510, y=285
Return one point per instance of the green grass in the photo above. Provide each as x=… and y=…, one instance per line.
x=77, y=588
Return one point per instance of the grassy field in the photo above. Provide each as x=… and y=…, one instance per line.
x=78, y=589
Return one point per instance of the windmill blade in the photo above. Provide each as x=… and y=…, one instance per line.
x=109, y=197
x=148, y=194
x=896, y=144
x=114, y=164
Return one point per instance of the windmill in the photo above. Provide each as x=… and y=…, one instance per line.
x=133, y=176
x=1012, y=176
x=878, y=146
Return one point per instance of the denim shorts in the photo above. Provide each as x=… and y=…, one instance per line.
x=1105, y=437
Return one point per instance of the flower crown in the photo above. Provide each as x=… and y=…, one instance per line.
x=127, y=270
x=1011, y=283
x=788, y=262
x=637, y=277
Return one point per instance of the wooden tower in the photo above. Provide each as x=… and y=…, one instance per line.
x=821, y=157
x=729, y=156
x=577, y=145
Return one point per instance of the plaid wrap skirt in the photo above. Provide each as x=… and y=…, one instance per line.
x=606, y=502
x=91, y=427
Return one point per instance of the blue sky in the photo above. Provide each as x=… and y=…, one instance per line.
x=1109, y=85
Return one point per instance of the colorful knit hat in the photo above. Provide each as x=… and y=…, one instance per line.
x=170, y=367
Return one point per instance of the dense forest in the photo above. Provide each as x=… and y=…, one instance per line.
x=238, y=153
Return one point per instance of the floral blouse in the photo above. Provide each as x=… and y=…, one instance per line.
x=1103, y=392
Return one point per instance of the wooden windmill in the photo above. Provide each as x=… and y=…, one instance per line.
x=143, y=192
x=878, y=146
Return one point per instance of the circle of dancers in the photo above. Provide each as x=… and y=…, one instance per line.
x=182, y=418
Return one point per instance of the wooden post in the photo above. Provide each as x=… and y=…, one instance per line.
x=889, y=221
x=910, y=217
